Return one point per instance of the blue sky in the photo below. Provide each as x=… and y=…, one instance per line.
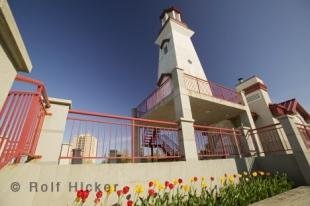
x=102, y=56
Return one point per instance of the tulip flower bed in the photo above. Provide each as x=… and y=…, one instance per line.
x=239, y=189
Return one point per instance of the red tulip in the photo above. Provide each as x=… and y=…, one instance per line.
x=212, y=178
x=99, y=194
x=79, y=193
x=85, y=194
x=151, y=184
x=119, y=192
x=151, y=192
x=195, y=179
x=129, y=203
x=125, y=190
x=180, y=180
x=167, y=184
x=171, y=186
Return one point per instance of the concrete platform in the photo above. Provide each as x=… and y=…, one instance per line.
x=299, y=196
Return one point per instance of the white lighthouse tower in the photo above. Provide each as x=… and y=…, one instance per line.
x=176, y=49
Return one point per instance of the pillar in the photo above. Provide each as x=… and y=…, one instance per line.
x=300, y=152
x=53, y=129
x=247, y=123
x=183, y=114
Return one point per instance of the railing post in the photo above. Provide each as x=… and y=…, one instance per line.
x=197, y=80
x=237, y=142
x=133, y=136
x=307, y=131
x=223, y=147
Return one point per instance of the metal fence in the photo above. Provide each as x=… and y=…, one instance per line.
x=102, y=138
x=21, y=120
x=304, y=131
x=214, y=142
x=211, y=89
x=155, y=97
x=272, y=139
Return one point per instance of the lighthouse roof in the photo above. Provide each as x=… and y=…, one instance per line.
x=169, y=10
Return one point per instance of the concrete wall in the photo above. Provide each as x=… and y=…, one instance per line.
x=13, y=54
x=280, y=163
x=53, y=128
x=122, y=174
x=7, y=75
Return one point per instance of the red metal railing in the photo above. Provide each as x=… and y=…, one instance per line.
x=212, y=89
x=213, y=142
x=272, y=138
x=102, y=138
x=21, y=120
x=304, y=131
x=155, y=97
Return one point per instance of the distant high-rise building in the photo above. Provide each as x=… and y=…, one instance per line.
x=84, y=145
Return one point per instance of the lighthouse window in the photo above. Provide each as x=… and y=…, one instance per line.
x=165, y=50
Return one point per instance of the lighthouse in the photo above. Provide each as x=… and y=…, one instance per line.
x=176, y=49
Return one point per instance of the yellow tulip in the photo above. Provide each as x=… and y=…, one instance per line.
x=231, y=179
x=223, y=180
x=160, y=186
x=111, y=189
x=254, y=174
x=245, y=173
x=156, y=183
x=139, y=189
x=204, y=185
x=261, y=173
x=185, y=188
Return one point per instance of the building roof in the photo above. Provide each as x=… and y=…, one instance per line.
x=169, y=10
x=291, y=106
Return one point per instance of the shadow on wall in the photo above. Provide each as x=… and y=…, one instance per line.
x=285, y=163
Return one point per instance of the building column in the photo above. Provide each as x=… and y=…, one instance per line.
x=183, y=114
x=247, y=123
x=300, y=152
x=53, y=129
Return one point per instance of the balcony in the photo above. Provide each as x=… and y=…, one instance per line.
x=154, y=98
x=208, y=88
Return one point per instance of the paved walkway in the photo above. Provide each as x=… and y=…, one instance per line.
x=299, y=196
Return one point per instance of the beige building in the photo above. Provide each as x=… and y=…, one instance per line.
x=85, y=146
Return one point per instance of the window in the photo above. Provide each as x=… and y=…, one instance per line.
x=165, y=49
